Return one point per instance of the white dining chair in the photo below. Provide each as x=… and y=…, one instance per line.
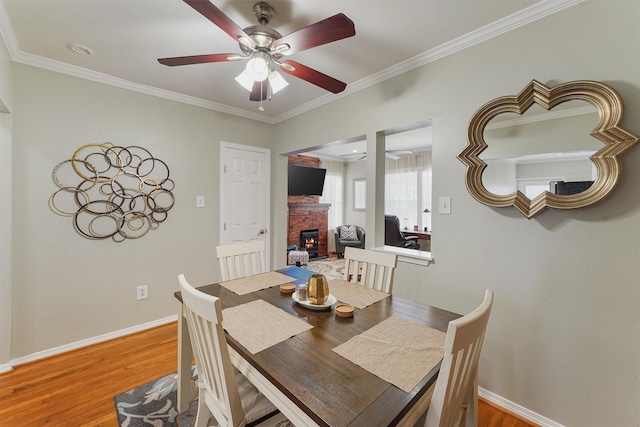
x=372, y=269
x=223, y=391
x=241, y=259
x=453, y=400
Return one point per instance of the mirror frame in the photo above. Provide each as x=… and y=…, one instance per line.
x=616, y=140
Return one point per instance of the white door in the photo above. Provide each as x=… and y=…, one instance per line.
x=244, y=194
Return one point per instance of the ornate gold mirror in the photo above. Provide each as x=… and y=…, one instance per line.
x=512, y=161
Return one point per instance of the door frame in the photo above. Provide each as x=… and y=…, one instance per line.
x=223, y=196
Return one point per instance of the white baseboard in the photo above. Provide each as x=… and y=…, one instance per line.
x=79, y=344
x=517, y=409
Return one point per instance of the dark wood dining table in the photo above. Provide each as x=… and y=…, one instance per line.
x=303, y=377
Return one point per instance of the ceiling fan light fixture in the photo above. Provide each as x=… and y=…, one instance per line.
x=264, y=47
x=277, y=82
x=245, y=80
x=258, y=67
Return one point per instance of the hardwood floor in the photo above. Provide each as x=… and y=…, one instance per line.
x=77, y=388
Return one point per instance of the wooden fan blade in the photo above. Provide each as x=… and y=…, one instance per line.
x=259, y=91
x=328, y=30
x=312, y=76
x=199, y=59
x=215, y=15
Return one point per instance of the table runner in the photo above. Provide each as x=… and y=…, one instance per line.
x=257, y=325
x=246, y=285
x=397, y=350
x=357, y=295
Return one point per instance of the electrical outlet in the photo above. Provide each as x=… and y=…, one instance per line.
x=142, y=292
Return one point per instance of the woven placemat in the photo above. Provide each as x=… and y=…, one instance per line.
x=399, y=351
x=258, y=325
x=257, y=282
x=357, y=295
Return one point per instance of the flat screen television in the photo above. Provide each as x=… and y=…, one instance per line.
x=305, y=180
x=573, y=187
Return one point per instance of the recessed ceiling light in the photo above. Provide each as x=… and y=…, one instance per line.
x=80, y=50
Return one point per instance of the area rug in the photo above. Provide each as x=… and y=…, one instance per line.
x=331, y=267
x=154, y=405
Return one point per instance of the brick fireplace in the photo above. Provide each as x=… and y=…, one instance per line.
x=307, y=213
x=309, y=216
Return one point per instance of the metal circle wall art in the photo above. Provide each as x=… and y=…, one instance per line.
x=113, y=192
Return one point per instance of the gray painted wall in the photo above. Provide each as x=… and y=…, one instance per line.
x=67, y=288
x=6, y=193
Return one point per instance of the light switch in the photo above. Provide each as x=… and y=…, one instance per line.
x=199, y=201
x=444, y=205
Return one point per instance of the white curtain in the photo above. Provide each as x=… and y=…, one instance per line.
x=333, y=191
x=408, y=189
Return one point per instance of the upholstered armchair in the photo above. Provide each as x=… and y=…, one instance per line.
x=348, y=235
x=394, y=237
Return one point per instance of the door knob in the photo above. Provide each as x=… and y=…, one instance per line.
x=262, y=231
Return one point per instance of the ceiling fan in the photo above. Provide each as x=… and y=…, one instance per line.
x=393, y=154
x=265, y=48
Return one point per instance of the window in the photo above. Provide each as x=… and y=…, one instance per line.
x=408, y=190
x=333, y=191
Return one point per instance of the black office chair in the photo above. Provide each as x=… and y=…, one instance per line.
x=394, y=237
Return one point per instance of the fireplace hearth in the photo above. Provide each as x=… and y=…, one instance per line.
x=309, y=241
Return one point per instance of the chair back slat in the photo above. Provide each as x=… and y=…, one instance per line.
x=455, y=391
x=216, y=376
x=241, y=259
x=372, y=269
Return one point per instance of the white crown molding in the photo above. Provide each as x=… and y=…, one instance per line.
x=83, y=73
x=532, y=13
x=7, y=33
x=504, y=25
x=534, y=118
